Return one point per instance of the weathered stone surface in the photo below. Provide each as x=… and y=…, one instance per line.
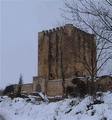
x=54, y=88
x=68, y=46
x=104, y=83
x=26, y=88
x=61, y=53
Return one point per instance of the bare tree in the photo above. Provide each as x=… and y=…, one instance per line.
x=92, y=14
x=95, y=17
x=96, y=63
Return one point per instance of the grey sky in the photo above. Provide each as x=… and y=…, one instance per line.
x=21, y=20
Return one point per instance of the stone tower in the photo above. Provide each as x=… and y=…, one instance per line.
x=61, y=52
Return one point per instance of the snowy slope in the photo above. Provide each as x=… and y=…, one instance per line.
x=68, y=109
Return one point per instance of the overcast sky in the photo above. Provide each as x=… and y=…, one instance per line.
x=21, y=20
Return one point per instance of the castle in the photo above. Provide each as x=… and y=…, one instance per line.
x=61, y=56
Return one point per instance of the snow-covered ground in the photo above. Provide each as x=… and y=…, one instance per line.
x=68, y=109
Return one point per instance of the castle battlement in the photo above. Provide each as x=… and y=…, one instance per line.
x=64, y=29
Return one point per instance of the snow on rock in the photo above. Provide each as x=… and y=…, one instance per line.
x=67, y=109
x=43, y=96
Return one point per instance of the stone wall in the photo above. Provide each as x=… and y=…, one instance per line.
x=39, y=84
x=26, y=88
x=50, y=87
x=54, y=88
x=104, y=83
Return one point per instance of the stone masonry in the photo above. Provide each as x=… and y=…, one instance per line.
x=61, y=55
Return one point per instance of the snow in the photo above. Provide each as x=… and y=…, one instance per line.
x=67, y=109
x=43, y=96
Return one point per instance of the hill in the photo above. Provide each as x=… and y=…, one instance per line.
x=67, y=109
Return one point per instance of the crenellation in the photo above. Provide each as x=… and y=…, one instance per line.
x=53, y=30
x=46, y=32
x=57, y=29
